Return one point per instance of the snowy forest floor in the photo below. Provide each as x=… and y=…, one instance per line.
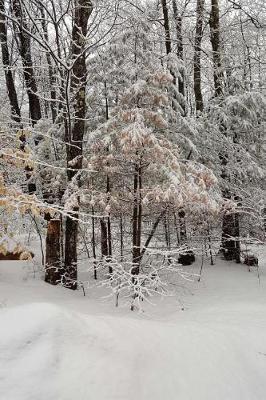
x=59, y=345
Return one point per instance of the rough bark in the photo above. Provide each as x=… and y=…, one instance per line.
x=197, y=55
x=75, y=131
x=137, y=221
x=53, y=271
x=26, y=57
x=10, y=85
x=71, y=238
x=93, y=243
x=179, y=47
x=52, y=80
x=230, y=237
x=168, y=48
x=230, y=224
x=104, y=239
x=12, y=93
x=182, y=225
x=108, y=189
x=166, y=26
x=216, y=47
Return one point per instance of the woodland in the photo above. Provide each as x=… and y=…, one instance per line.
x=132, y=151
x=132, y=132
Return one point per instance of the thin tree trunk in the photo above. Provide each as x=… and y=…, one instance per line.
x=166, y=26
x=180, y=49
x=177, y=230
x=104, y=239
x=210, y=245
x=237, y=239
x=52, y=79
x=182, y=224
x=153, y=230
x=167, y=233
x=108, y=187
x=109, y=235
x=137, y=220
x=93, y=244
x=122, y=238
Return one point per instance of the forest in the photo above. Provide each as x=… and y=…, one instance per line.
x=132, y=199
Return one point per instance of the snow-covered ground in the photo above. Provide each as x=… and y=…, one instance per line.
x=58, y=345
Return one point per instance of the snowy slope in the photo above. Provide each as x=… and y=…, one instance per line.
x=57, y=345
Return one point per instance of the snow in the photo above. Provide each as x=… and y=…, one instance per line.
x=58, y=345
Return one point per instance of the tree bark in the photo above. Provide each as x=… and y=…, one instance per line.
x=93, y=243
x=74, y=134
x=180, y=50
x=137, y=221
x=10, y=85
x=104, y=239
x=216, y=47
x=53, y=271
x=166, y=26
x=105, y=242
x=52, y=80
x=168, y=48
x=197, y=55
x=28, y=70
x=182, y=225
x=230, y=224
x=71, y=240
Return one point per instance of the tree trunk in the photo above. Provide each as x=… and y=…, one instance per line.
x=237, y=239
x=35, y=115
x=122, y=238
x=93, y=243
x=53, y=270
x=74, y=134
x=12, y=94
x=197, y=55
x=153, y=230
x=230, y=225
x=71, y=240
x=137, y=221
x=180, y=50
x=10, y=85
x=52, y=79
x=104, y=239
x=216, y=48
x=228, y=240
x=28, y=70
x=166, y=26
x=182, y=224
